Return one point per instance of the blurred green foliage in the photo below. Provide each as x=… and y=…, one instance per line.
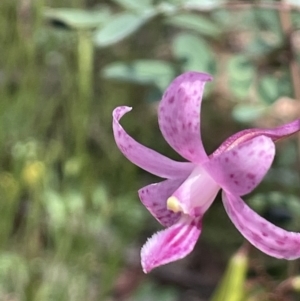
x=69, y=208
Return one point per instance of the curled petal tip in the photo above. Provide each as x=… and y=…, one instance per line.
x=118, y=112
x=142, y=156
x=205, y=77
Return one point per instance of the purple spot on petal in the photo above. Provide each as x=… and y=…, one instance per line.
x=191, y=151
x=279, y=242
x=255, y=236
x=251, y=176
x=251, y=154
x=171, y=99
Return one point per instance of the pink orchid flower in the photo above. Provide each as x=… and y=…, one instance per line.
x=180, y=201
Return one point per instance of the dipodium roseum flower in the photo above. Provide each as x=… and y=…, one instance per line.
x=180, y=201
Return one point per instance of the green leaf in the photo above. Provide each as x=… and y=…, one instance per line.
x=248, y=112
x=203, y=4
x=135, y=5
x=232, y=284
x=153, y=72
x=268, y=20
x=120, y=27
x=295, y=15
x=14, y=273
x=268, y=89
x=241, y=75
x=55, y=209
x=77, y=18
x=193, y=52
x=194, y=22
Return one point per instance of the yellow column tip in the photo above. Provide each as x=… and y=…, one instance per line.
x=173, y=204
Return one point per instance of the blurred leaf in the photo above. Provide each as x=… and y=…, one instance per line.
x=284, y=177
x=296, y=18
x=268, y=20
x=154, y=94
x=193, y=52
x=168, y=8
x=73, y=166
x=74, y=202
x=259, y=46
x=268, y=89
x=139, y=5
x=198, y=23
x=78, y=18
x=55, y=209
x=232, y=285
x=153, y=72
x=203, y=4
x=248, y=112
x=14, y=273
x=289, y=156
x=223, y=17
x=119, y=27
x=149, y=292
x=241, y=75
x=280, y=208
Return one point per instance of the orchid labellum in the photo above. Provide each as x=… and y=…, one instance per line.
x=180, y=201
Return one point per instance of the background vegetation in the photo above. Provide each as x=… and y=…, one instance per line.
x=71, y=223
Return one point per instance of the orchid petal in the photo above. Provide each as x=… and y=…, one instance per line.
x=171, y=244
x=240, y=169
x=179, y=115
x=144, y=157
x=155, y=196
x=275, y=134
x=265, y=236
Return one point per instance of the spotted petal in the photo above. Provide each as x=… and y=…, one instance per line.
x=155, y=196
x=144, y=157
x=241, y=168
x=265, y=236
x=171, y=244
x=179, y=115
